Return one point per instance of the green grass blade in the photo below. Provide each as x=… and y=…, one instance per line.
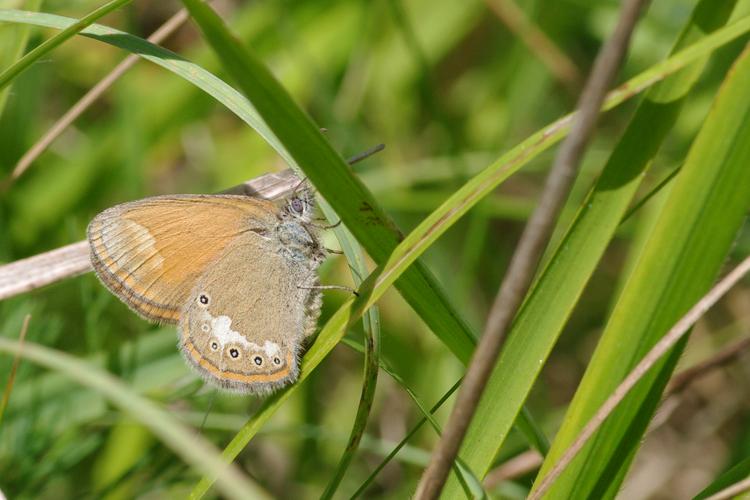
x=471, y=483
x=369, y=383
x=48, y=45
x=737, y=473
x=686, y=247
x=12, y=44
x=371, y=326
x=551, y=301
x=426, y=418
x=193, y=448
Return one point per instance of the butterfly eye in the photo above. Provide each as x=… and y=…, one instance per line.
x=258, y=360
x=203, y=299
x=276, y=361
x=297, y=206
x=214, y=346
x=234, y=353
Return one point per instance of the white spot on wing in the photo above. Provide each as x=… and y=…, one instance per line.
x=221, y=328
x=271, y=348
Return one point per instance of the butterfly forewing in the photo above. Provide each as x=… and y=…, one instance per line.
x=151, y=252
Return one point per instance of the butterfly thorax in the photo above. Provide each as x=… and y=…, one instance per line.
x=299, y=243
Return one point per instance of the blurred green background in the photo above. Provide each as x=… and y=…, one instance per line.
x=448, y=87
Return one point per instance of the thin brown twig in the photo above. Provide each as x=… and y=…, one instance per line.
x=158, y=36
x=558, y=63
x=14, y=367
x=515, y=467
x=722, y=358
x=529, y=250
x=649, y=360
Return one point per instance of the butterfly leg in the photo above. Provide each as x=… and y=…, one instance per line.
x=330, y=287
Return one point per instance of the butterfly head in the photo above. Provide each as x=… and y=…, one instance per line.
x=300, y=204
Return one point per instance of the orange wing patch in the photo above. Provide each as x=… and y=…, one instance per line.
x=151, y=252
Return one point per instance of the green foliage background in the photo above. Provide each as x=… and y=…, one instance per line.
x=448, y=89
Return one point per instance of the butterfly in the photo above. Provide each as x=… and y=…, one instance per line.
x=237, y=274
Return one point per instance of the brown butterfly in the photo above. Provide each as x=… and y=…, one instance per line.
x=237, y=273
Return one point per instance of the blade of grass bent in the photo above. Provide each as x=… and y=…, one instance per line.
x=371, y=324
x=45, y=47
x=686, y=247
x=466, y=476
x=552, y=299
x=13, y=43
x=192, y=447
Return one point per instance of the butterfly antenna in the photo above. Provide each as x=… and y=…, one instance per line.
x=365, y=154
x=351, y=161
x=298, y=185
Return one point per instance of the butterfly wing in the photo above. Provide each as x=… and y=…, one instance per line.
x=151, y=252
x=246, y=319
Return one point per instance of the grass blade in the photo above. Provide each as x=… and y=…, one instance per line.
x=13, y=41
x=14, y=368
x=737, y=473
x=369, y=382
x=371, y=324
x=193, y=448
x=48, y=45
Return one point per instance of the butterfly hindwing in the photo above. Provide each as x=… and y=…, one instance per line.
x=244, y=334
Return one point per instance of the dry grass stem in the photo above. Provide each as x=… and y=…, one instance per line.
x=165, y=30
x=558, y=63
x=14, y=367
x=515, y=467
